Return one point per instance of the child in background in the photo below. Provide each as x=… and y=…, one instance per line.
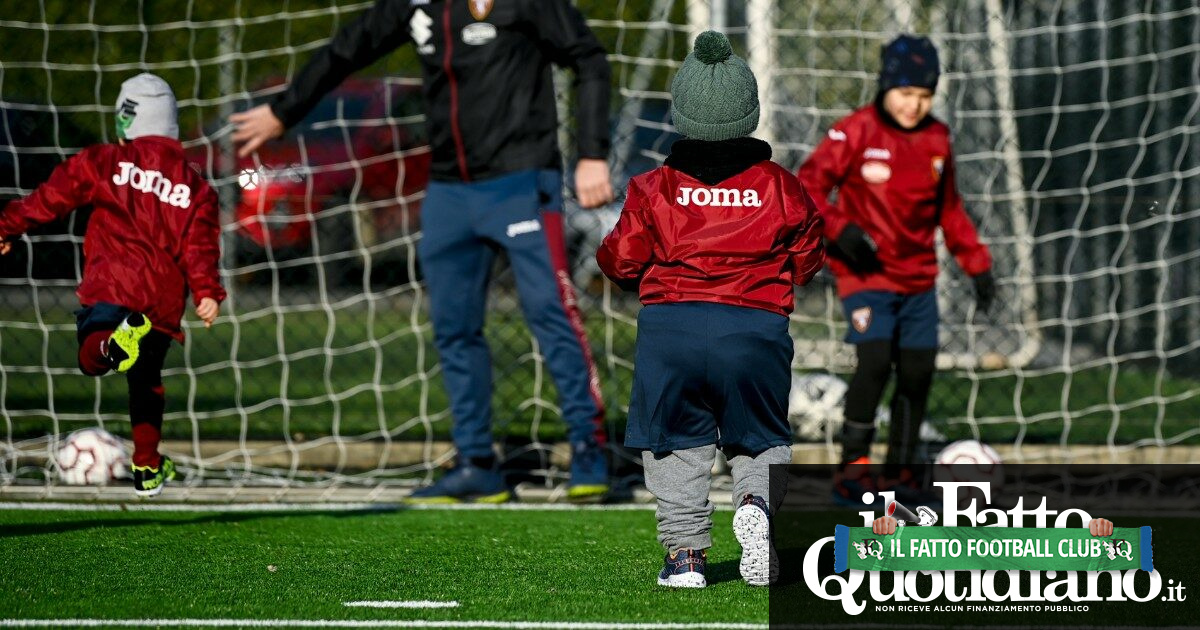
x=153, y=237
x=714, y=241
x=893, y=168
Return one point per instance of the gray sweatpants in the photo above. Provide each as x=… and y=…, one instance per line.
x=680, y=481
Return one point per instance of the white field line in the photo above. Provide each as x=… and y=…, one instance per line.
x=333, y=506
x=343, y=623
x=501, y=625
x=395, y=604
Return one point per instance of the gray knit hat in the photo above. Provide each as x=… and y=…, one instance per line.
x=714, y=95
x=146, y=107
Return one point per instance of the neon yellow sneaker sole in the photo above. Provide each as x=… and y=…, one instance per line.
x=587, y=492
x=430, y=500
x=128, y=338
x=499, y=497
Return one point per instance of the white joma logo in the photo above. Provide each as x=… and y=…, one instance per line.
x=523, y=227
x=420, y=29
x=718, y=197
x=153, y=182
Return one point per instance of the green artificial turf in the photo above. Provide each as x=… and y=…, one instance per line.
x=597, y=566
x=500, y=566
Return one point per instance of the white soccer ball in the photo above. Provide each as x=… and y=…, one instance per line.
x=91, y=457
x=248, y=179
x=969, y=461
x=815, y=405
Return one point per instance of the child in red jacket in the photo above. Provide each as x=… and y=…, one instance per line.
x=154, y=236
x=714, y=240
x=892, y=166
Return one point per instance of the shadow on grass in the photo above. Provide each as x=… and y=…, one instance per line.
x=102, y=521
x=719, y=572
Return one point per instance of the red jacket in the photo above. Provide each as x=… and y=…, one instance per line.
x=744, y=241
x=898, y=187
x=154, y=233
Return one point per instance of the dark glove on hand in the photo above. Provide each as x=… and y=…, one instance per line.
x=858, y=250
x=985, y=291
x=629, y=286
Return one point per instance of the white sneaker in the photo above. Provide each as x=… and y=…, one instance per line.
x=752, y=527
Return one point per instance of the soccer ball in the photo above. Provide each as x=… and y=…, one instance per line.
x=815, y=405
x=969, y=461
x=815, y=409
x=248, y=179
x=91, y=457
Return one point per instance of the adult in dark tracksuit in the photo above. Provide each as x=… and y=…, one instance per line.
x=496, y=185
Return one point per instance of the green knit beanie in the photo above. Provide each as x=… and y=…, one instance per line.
x=714, y=95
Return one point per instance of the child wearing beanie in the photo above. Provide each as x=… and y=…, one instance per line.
x=892, y=165
x=713, y=241
x=153, y=237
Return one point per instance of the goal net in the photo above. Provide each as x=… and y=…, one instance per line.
x=1075, y=139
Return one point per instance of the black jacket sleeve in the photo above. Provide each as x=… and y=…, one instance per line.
x=569, y=43
x=378, y=31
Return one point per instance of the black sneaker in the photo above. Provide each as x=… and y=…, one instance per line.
x=589, y=473
x=853, y=482
x=908, y=491
x=148, y=481
x=465, y=482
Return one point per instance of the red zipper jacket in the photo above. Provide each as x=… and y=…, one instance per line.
x=743, y=240
x=899, y=187
x=154, y=233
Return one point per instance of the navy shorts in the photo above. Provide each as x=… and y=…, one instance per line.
x=707, y=373
x=99, y=316
x=911, y=320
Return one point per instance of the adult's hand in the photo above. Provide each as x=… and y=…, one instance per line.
x=592, y=184
x=254, y=127
x=5, y=247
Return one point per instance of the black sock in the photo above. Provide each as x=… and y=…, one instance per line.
x=862, y=398
x=486, y=463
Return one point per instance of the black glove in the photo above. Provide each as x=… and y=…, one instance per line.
x=985, y=291
x=858, y=250
x=629, y=286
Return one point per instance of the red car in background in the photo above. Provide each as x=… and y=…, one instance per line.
x=361, y=156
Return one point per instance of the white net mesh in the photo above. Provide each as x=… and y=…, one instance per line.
x=1074, y=133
